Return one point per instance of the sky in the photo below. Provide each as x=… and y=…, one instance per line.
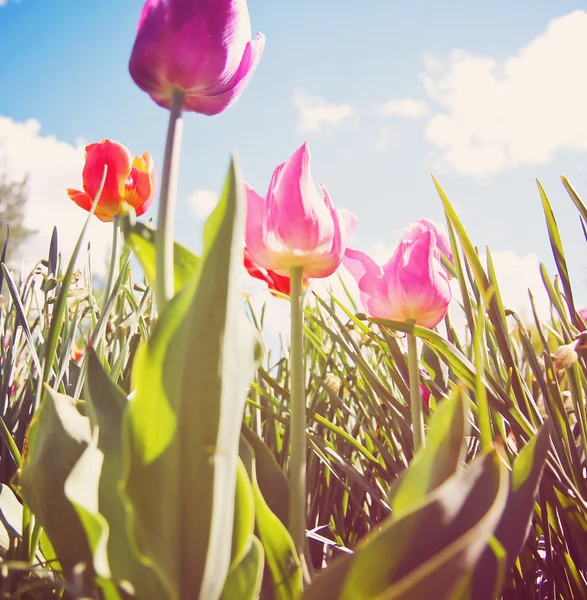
x=488, y=96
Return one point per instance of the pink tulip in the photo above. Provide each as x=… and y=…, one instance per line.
x=295, y=225
x=583, y=315
x=417, y=228
x=201, y=47
x=412, y=286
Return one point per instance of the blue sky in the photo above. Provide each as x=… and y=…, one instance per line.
x=488, y=96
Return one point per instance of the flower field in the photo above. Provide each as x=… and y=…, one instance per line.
x=155, y=443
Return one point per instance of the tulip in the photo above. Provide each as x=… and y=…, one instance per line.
x=202, y=48
x=128, y=181
x=295, y=225
x=275, y=282
x=417, y=228
x=583, y=315
x=412, y=286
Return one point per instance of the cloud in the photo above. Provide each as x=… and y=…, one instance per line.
x=498, y=115
x=316, y=115
x=383, y=139
x=5, y=2
x=202, y=202
x=51, y=166
x=408, y=108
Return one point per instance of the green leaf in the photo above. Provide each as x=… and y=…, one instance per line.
x=557, y=250
x=514, y=526
x=81, y=489
x=438, y=460
x=269, y=476
x=244, y=516
x=182, y=428
x=244, y=579
x=106, y=405
x=61, y=438
x=10, y=519
x=141, y=239
x=429, y=552
x=283, y=579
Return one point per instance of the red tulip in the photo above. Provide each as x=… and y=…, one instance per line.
x=128, y=181
x=276, y=282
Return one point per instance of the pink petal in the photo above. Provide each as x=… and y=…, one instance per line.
x=372, y=282
x=420, y=290
x=299, y=215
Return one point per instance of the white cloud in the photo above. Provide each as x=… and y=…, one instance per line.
x=520, y=111
x=408, y=108
x=383, y=139
x=315, y=114
x=52, y=166
x=202, y=202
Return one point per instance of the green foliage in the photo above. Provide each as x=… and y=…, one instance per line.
x=148, y=472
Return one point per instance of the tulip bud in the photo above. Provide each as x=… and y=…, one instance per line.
x=201, y=48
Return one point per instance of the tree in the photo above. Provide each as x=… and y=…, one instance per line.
x=13, y=198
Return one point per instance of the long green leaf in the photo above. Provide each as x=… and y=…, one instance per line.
x=429, y=552
x=438, y=460
x=514, y=524
x=62, y=436
x=182, y=427
x=106, y=406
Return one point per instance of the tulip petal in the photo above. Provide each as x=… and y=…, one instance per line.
x=139, y=185
x=371, y=281
x=420, y=290
x=417, y=228
x=214, y=100
x=297, y=212
x=274, y=281
x=80, y=198
x=255, y=228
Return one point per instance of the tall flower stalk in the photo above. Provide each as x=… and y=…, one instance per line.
x=164, y=240
x=413, y=287
x=297, y=515
x=114, y=260
x=415, y=393
x=295, y=230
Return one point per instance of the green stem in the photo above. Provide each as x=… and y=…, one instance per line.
x=415, y=395
x=114, y=260
x=297, y=490
x=167, y=200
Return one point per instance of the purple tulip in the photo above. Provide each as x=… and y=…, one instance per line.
x=201, y=47
x=412, y=286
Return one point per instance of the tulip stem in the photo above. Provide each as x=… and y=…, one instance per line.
x=415, y=395
x=114, y=259
x=297, y=468
x=164, y=240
